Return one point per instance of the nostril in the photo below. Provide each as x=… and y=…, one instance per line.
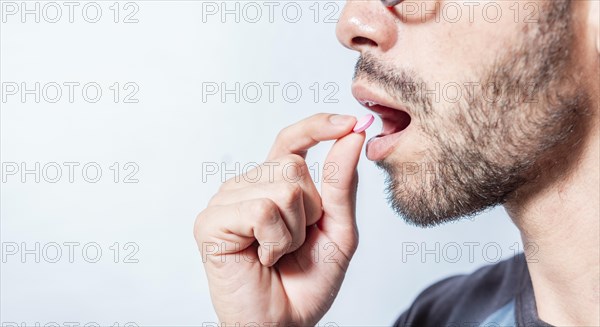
x=360, y=40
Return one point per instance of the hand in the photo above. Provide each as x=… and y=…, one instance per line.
x=259, y=234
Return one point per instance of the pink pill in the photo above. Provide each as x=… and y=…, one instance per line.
x=363, y=123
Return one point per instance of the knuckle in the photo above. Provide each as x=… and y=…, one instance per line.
x=293, y=167
x=318, y=116
x=264, y=210
x=215, y=199
x=199, y=224
x=231, y=183
x=355, y=241
x=349, y=247
x=284, y=132
x=293, y=159
x=291, y=194
x=286, y=239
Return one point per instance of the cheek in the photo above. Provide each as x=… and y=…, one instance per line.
x=460, y=40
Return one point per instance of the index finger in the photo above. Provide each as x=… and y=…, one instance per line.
x=301, y=136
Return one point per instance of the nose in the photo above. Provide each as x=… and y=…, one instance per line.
x=367, y=26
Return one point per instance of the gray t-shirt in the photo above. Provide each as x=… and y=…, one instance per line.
x=494, y=296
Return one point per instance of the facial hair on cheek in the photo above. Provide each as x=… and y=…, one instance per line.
x=483, y=150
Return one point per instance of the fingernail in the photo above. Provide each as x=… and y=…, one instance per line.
x=341, y=119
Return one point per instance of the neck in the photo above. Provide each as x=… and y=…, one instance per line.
x=559, y=223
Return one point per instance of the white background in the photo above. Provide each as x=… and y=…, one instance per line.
x=169, y=53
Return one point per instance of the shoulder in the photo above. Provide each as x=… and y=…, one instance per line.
x=466, y=298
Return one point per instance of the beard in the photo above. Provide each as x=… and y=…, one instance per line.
x=492, y=141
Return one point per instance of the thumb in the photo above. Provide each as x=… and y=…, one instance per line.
x=338, y=189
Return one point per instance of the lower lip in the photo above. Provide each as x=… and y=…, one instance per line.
x=380, y=147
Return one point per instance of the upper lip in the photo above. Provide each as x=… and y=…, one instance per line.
x=365, y=95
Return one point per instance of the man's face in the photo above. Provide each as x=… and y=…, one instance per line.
x=474, y=97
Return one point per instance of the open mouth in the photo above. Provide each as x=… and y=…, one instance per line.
x=396, y=119
x=393, y=120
